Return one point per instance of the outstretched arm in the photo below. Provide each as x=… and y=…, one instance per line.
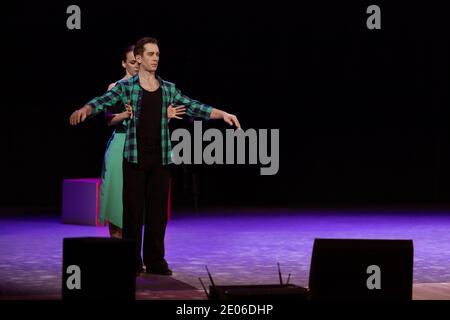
x=197, y=109
x=80, y=115
x=227, y=117
x=96, y=105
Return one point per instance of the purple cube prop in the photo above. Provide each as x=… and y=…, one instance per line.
x=81, y=201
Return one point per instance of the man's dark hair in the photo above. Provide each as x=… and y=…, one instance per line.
x=125, y=52
x=139, y=47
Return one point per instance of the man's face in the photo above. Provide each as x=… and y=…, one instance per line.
x=150, y=57
x=131, y=65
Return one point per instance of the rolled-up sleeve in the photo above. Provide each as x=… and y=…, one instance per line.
x=108, y=100
x=194, y=108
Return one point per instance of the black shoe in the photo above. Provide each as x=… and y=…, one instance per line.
x=159, y=267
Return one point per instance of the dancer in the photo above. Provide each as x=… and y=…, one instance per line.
x=147, y=151
x=111, y=208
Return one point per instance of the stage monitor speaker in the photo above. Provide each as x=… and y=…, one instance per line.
x=98, y=268
x=361, y=269
x=275, y=292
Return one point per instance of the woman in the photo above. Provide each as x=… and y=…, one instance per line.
x=111, y=208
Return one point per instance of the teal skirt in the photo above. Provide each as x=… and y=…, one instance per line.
x=111, y=208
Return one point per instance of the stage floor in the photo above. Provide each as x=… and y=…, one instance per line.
x=238, y=246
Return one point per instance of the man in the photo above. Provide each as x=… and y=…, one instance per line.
x=147, y=151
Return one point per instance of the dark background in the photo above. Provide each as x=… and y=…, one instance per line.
x=363, y=114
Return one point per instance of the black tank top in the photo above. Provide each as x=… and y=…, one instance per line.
x=148, y=129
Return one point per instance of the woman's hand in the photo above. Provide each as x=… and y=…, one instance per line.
x=175, y=112
x=128, y=113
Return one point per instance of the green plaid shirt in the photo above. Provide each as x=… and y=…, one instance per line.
x=130, y=90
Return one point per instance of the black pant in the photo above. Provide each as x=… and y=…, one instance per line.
x=145, y=201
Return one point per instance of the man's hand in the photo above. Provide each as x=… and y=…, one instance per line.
x=80, y=115
x=231, y=119
x=175, y=112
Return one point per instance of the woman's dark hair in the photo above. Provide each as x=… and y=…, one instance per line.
x=125, y=52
